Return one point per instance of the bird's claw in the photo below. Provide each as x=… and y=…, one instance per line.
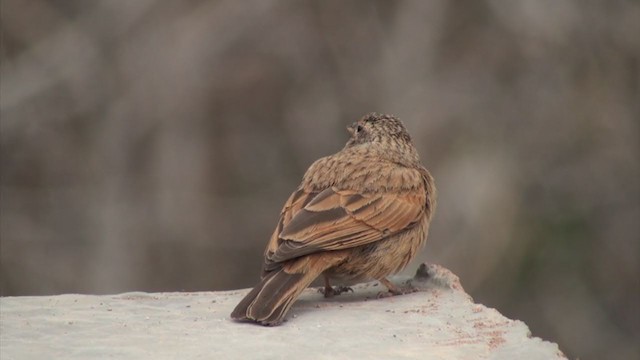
x=329, y=291
x=397, y=291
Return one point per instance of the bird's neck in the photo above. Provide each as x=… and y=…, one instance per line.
x=403, y=154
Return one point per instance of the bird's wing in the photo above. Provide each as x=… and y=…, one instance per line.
x=337, y=219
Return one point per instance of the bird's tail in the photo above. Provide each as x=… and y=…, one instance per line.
x=270, y=300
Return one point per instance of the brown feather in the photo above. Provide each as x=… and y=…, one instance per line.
x=361, y=213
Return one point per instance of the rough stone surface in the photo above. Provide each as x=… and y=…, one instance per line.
x=440, y=321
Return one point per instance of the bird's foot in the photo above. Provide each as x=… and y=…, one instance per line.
x=395, y=290
x=329, y=291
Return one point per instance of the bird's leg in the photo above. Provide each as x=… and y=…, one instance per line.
x=394, y=290
x=330, y=291
x=327, y=290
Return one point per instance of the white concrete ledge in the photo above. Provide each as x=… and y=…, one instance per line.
x=438, y=322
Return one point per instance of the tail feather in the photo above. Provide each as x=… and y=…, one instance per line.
x=270, y=300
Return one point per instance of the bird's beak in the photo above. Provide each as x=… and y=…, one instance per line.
x=352, y=128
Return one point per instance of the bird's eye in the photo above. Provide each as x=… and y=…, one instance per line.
x=359, y=129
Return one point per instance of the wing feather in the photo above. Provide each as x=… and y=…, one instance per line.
x=337, y=219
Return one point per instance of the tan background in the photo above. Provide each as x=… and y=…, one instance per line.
x=149, y=145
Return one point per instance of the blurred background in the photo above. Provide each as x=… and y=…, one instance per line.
x=149, y=145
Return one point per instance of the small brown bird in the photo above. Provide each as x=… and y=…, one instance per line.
x=358, y=215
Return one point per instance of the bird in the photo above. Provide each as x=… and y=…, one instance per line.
x=358, y=215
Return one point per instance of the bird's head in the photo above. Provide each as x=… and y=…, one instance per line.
x=378, y=128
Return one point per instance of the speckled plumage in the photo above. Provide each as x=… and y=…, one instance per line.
x=359, y=214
